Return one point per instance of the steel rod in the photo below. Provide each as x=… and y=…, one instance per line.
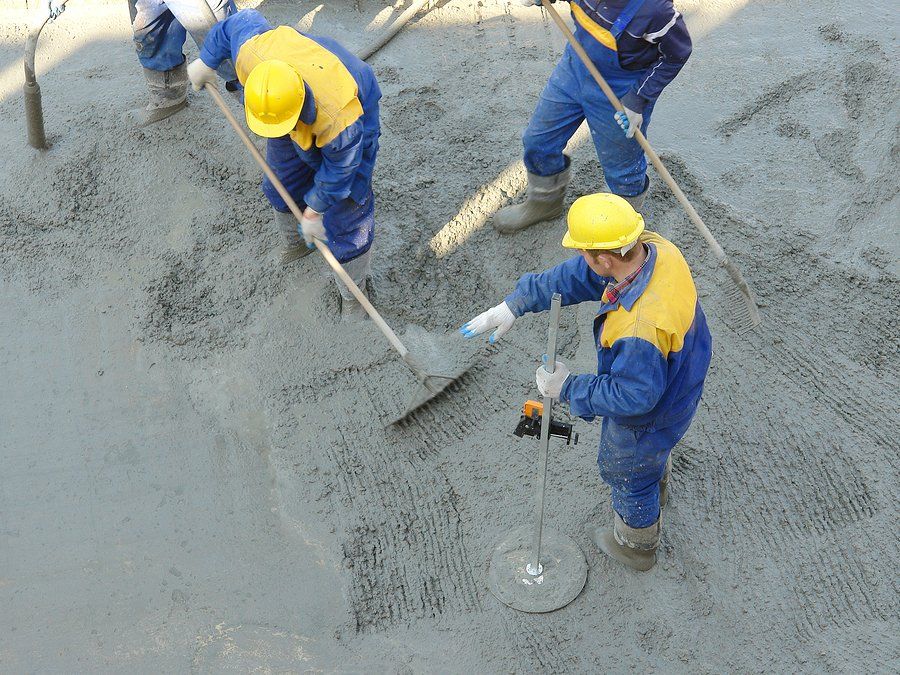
x=534, y=567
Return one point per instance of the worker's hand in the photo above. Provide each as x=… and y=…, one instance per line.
x=530, y=3
x=311, y=227
x=56, y=7
x=630, y=121
x=499, y=317
x=551, y=384
x=199, y=74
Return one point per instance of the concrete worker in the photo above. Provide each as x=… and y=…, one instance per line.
x=160, y=28
x=318, y=106
x=639, y=46
x=653, y=351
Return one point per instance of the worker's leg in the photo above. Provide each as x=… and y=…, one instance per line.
x=297, y=177
x=622, y=159
x=555, y=120
x=350, y=227
x=198, y=16
x=159, y=40
x=633, y=462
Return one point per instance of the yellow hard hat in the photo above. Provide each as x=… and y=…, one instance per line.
x=602, y=221
x=273, y=98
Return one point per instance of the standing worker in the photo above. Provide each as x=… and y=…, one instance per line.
x=160, y=28
x=653, y=352
x=318, y=105
x=639, y=46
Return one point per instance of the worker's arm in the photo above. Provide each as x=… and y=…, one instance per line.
x=673, y=42
x=224, y=40
x=573, y=280
x=633, y=387
x=340, y=160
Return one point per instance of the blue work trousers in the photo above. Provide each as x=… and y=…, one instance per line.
x=350, y=225
x=632, y=461
x=570, y=97
x=161, y=26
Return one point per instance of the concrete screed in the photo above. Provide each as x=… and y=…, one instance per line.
x=194, y=471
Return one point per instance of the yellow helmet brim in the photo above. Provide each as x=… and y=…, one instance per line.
x=268, y=129
x=569, y=242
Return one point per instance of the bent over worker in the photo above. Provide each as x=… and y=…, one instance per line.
x=653, y=352
x=318, y=105
x=639, y=46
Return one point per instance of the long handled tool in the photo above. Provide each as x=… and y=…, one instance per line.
x=533, y=569
x=747, y=315
x=432, y=384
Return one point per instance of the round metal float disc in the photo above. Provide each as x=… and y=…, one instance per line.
x=563, y=571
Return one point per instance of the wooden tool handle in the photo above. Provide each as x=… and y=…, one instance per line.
x=298, y=214
x=638, y=135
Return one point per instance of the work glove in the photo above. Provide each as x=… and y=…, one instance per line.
x=499, y=317
x=56, y=7
x=630, y=121
x=311, y=227
x=199, y=74
x=551, y=384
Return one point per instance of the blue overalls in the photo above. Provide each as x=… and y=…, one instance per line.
x=350, y=224
x=653, y=353
x=571, y=96
x=160, y=28
x=336, y=178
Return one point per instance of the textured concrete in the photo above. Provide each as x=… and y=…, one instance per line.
x=195, y=474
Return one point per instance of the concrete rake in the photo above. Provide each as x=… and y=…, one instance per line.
x=745, y=311
x=430, y=384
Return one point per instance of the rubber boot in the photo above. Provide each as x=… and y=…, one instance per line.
x=631, y=546
x=637, y=202
x=664, y=483
x=544, y=201
x=167, y=94
x=359, y=269
x=294, y=245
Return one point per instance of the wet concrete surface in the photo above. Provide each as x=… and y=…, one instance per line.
x=137, y=534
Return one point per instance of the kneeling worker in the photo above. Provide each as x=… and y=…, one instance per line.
x=318, y=106
x=653, y=352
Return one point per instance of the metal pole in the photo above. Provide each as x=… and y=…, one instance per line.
x=534, y=567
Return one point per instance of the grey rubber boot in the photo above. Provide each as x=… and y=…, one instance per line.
x=359, y=269
x=664, y=483
x=637, y=202
x=167, y=94
x=293, y=244
x=631, y=546
x=544, y=201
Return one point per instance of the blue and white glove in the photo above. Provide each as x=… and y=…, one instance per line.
x=499, y=317
x=312, y=228
x=530, y=3
x=551, y=384
x=56, y=8
x=630, y=121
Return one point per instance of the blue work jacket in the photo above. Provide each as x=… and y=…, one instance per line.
x=336, y=137
x=653, y=344
x=654, y=41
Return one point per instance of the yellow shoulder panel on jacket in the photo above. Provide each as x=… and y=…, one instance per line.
x=665, y=311
x=335, y=90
